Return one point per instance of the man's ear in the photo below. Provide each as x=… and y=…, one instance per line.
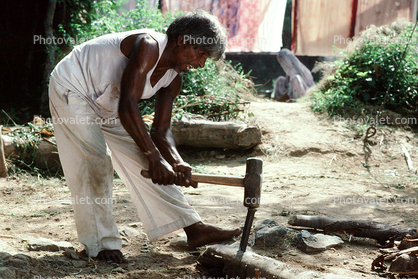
x=180, y=40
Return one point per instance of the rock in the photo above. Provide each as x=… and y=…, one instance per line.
x=180, y=241
x=135, y=225
x=316, y=243
x=7, y=273
x=24, y=258
x=79, y=263
x=124, y=201
x=4, y=256
x=118, y=270
x=404, y=263
x=130, y=232
x=70, y=253
x=125, y=241
x=45, y=244
x=269, y=233
x=18, y=264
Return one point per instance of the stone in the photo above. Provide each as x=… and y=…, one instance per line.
x=130, y=232
x=269, y=233
x=24, y=258
x=404, y=263
x=19, y=264
x=45, y=244
x=135, y=225
x=124, y=201
x=7, y=273
x=4, y=256
x=70, y=253
x=316, y=243
x=180, y=241
x=79, y=263
x=118, y=270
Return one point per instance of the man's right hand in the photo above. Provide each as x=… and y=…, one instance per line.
x=161, y=172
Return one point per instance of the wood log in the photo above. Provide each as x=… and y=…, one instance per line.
x=46, y=156
x=360, y=228
x=207, y=134
x=228, y=262
x=3, y=164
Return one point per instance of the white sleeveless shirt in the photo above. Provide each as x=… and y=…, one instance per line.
x=94, y=69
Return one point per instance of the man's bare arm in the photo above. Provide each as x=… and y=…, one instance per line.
x=161, y=133
x=142, y=59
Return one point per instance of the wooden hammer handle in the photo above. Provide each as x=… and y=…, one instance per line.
x=210, y=179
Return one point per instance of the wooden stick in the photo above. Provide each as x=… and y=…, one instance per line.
x=406, y=251
x=360, y=228
x=211, y=179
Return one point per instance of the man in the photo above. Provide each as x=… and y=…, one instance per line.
x=297, y=81
x=94, y=95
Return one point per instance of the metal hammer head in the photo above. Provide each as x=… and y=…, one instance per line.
x=252, y=182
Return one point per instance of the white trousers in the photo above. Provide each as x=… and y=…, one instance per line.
x=89, y=149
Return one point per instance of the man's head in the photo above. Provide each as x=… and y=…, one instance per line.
x=201, y=29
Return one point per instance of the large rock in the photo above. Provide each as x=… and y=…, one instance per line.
x=4, y=256
x=404, y=263
x=45, y=244
x=269, y=233
x=7, y=273
x=314, y=243
x=130, y=232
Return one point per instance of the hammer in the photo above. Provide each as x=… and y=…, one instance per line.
x=252, y=190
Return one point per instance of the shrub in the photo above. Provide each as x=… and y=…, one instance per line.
x=372, y=64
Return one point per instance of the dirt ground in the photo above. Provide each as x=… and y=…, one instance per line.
x=312, y=165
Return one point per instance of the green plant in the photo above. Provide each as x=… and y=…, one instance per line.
x=364, y=74
x=26, y=139
x=214, y=91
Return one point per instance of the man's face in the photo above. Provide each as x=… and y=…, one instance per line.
x=190, y=57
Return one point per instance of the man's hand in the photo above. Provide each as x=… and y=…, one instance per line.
x=184, y=175
x=161, y=172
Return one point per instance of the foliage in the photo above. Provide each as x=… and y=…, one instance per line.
x=110, y=17
x=368, y=69
x=213, y=91
x=26, y=139
x=76, y=13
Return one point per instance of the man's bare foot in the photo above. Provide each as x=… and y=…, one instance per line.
x=112, y=256
x=200, y=234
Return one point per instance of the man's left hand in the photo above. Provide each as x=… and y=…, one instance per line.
x=184, y=175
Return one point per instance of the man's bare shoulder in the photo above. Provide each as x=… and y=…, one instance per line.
x=139, y=43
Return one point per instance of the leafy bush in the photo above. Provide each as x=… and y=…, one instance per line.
x=213, y=91
x=368, y=69
x=26, y=139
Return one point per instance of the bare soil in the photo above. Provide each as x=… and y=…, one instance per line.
x=312, y=165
